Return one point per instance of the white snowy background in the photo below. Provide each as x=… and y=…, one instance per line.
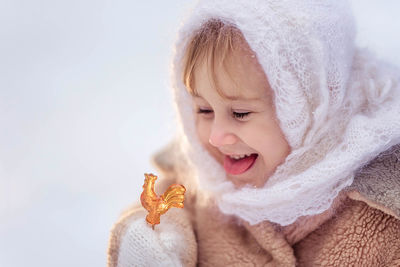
x=84, y=102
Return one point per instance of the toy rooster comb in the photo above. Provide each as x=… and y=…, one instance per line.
x=155, y=205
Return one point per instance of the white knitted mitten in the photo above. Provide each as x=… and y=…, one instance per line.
x=171, y=243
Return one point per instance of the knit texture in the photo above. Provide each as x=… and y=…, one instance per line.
x=337, y=105
x=171, y=243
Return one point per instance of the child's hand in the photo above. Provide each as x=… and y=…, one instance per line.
x=171, y=243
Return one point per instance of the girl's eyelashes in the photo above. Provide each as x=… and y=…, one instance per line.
x=204, y=110
x=208, y=113
x=240, y=115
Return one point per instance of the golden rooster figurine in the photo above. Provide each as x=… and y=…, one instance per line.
x=155, y=205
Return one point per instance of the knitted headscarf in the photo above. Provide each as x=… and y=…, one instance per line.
x=337, y=106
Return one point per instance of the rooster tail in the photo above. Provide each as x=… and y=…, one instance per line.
x=174, y=196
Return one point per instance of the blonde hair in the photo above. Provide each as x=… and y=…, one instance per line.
x=211, y=44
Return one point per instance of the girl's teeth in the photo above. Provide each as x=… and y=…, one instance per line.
x=239, y=156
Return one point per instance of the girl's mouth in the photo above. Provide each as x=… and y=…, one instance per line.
x=240, y=165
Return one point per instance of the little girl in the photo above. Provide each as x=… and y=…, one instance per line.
x=288, y=144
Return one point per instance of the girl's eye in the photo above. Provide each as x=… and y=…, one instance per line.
x=240, y=115
x=204, y=111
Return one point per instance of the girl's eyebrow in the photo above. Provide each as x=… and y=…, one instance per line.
x=242, y=98
x=235, y=98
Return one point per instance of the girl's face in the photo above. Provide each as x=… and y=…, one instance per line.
x=239, y=129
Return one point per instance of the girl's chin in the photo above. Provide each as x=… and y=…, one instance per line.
x=256, y=179
x=239, y=183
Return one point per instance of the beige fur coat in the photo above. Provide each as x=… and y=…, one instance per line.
x=361, y=229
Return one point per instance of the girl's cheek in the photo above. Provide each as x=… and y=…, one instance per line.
x=203, y=131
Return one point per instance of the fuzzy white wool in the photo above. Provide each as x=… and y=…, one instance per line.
x=337, y=105
x=171, y=244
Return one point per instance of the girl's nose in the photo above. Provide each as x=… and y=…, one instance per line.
x=220, y=135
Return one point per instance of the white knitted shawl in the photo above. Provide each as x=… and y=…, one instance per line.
x=337, y=105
